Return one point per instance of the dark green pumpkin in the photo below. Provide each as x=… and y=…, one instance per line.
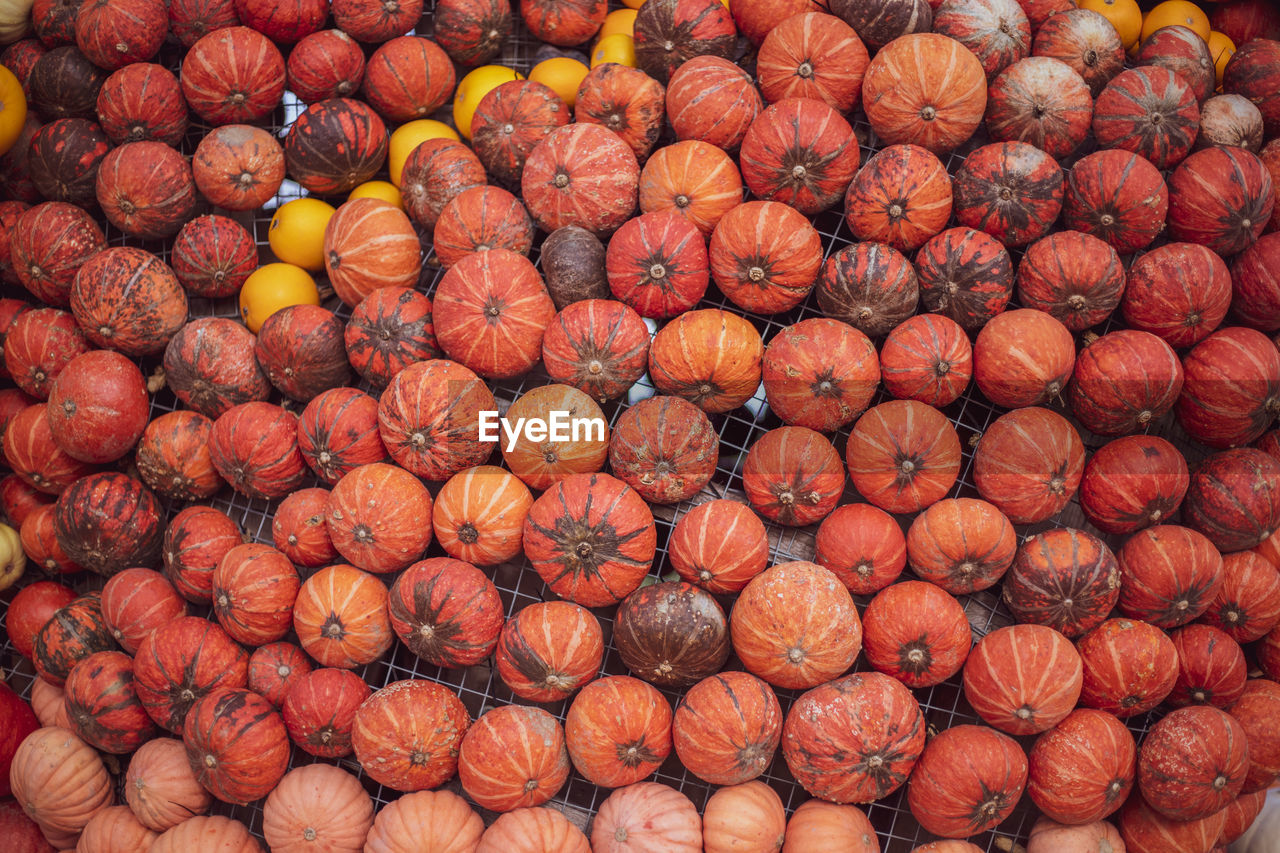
x=75, y=632
x=335, y=145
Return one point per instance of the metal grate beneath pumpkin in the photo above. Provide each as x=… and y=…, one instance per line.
x=479, y=687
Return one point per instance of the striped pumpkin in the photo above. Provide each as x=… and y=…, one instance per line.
x=369, y=244
x=1023, y=679
x=233, y=75
x=812, y=55
x=696, y=179
x=901, y=197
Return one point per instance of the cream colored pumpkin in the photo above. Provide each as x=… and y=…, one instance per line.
x=533, y=830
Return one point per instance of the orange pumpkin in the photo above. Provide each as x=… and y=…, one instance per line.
x=254, y=587
x=115, y=830
x=548, y=650
x=961, y=544
x=368, y=244
x=812, y=55
x=711, y=357
x=795, y=626
x=454, y=826
x=765, y=256
x=340, y=616
x=513, y=756
x=59, y=780
x=429, y=418
x=694, y=178
x=618, y=731
x=160, y=786
x=580, y=449
x=727, y=727
x=901, y=197
x=822, y=827
x=237, y=744
x=317, y=807
x=1029, y=463
x=136, y=602
x=647, y=816
x=479, y=513
x=212, y=834
x=533, y=830
x=903, y=456
x=719, y=545
x=406, y=735
x=792, y=475
x=375, y=517
x=746, y=818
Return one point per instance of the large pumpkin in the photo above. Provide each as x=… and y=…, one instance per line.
x=374, y=517
x=671, y=634
x=160, y=786
x=811, y=55
x=765, y=256
x=508, y=124
x=338, y=433
x=429, y=418
x=233, y=75
x=598, y=346
x=210, y=366
x=870, y=286
x=129, y=300
x=581, y=174
x=60, y=781
x=1193, y=763
x=1133, y=482
x=1042, y=101
x=390, y=329
x=180, y=663
x=407, y=734
x=712, y=99
x=254, y=446
x=902, y=197
x=1169, y=575
x=800, y=152
x=968, y=779
x=711, y=357
x=1010, y=190
x=819, y=373
x=446, y=611
x=335, y=145
x=618, y=731
x=1118, y=197
x=1218, y=197
x=1150, y=111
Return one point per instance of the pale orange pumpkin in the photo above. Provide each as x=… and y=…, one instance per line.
x=207, y=834
x=535, y=830
x=160, y=787
x=317, y=807
x=454, y=827
x=479, y=513
x=46, y=701
x=746, y=818
x=59, y=780
x=822, y=827
x=368, y=244
x=644, y=818
x=542, y=464
x=114, y=830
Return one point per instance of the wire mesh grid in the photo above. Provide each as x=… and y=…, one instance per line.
x=479, y=686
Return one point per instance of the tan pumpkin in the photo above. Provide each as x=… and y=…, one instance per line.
x=533, y=830
x=454, y=826
x=746, y=818
x=160, y=787
x=115, y=830
x=59, y=780
x=647, y=817
x=822, y=827
x=46, y=701
x=208, y=834
x=317, y=807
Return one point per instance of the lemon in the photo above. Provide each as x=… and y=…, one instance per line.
x=274, y=286
x=617, y=48
x=378, y=189
x=618, y=21
x=562, y=75
x=1221, y=48
x=296, y=235
x=409, y=136
x=478, y=83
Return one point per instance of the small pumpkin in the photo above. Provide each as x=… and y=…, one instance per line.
x=317, y=804
x=446, y=611
x=1178, y=291
x=1066, y=579
x=657, y=264
x=453, y=822
x=968, y=779
x=340, y=617
x=513, y=757
x=373, y=517
x=1129, y=667
x=1211, y=667
x=274, y=668
x=647, y=816
x=532, y=830
x=254, y=587
x=863, y=545
x=870, y=286
x=765, y=256
x=136, y=602
x=819, y=373
x=719, y=545
x=182, y=662
x=799, y=152
x=916, y=633
x=748, y=817
x=927, y=358
x=581, y=174
x=695, y=178
x=478, y=515
x=160, y=786
x=1029, y=464
x=548, y=650
x=193, y=543
x=821, y=827
x=1023, y=679
x=903, y=456
x=1082, y=769
x=671, y=32
x=901, y=197
x=812, y=55
x=173, y=457
x=611, y=749
x=319, y=710
x=407, y=734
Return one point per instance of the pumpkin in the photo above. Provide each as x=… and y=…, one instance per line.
x=299, y=529
x=968, y=779
x=792, y=475
x=191, y=19
x=173, y=457
x=1230, y=389
x=254, y=587
x=91, y=518
x=881, y=22
x=917, y=633
x=1042, y=101
x=927, y=358
x=1254, y=284
x=1047, y=835
x=213, y=832
x=59, y=780
x=800, y=152
x=611, y=749
x=657, y=264
x=1193, y=763
x=1074, y=277
x=429, y=418
x=903, y=456
x=1247, y=605
x=29, y=610
x=961, y=544
x=236, y=744
x=1023, y=358
x=160, y=786
x=863, y=545
x=671, y=634
x=819, y=373
x=49, y=244
x=695, y=178
x=39, y=345
x=719, y=545
x=116, y=34
x=369, y=244
x=340, y=617
x=435, y=172
x=1169, y=575
x=338, y=433
x=1142, y=828
x=512, y=757
x=333, y=146
x=647, y=816
x=146, y=189
x=533, y=830
x=210, y=365
x=136, y=602
x=1124, y=380
x=756, y=21
x=285, y=23
x=854, y=739
x=508, y=124
x=372, y=517
x=64, y=157
x=1065, y=579
x=996, y=31
x=19, y=499
x=1029, y=464
x=1254, y=712
x=1023, y=679
x=623, y=99
x=194, y=542
x=20, y=721
x=300, y=349
x=870, y=286
x=479, y=513
x=40, y=543
x=232, y=75
x=184, y=661
x=1242, y=814
x=479, y=219
x=319, y=710
x=238, y=166
x=1178, y=291
x=581, y=174
x=317, y=805
x=64, y=83
x=274, y=668
x=1211, y=667
x=727, y=727
x=407, y=77
x=598, y=346
x=764, y=256
x=671, y=32
x=902, y=197
x=30, y=450
x=254, y=446
x=573, y=261
x=1251, y=72
x=712, y=99
x=128, y=300
x=1151, y=111
x=1177, y=51
x=454, y=824
x=1118, y=197
x=548, y=650
x=102, y=705
x=1129, y=667
x=1087, y=43
x=821, y=827
x=446, y=611
x=812, y=55
x=710, y=357
x=1218, y=198
x=390, y=329
x=1133, y=482
x=407, y=734
x=563, y=24
x=663, y=447
x=324, y=64
x=98, y=406
x=1082, y=769
x=48, y=705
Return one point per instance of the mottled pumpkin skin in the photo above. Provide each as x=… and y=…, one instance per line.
x=1150, y=111
x=820, y=373
x=40, y=343
x=1233, y=498
x=510, y=121
x=146, y=189
x=598, y=346
x=301, y=350
x=183, y=661
x=1129, y=667
x=671, y=634
x=548, y=650
x=584, y=175
x=194, y=542
x=927, y=358
x=968, y=779
x=1231, y=388
x=1252, y=73
x=343, y=126
x=800, y=152
x=665, y=448
x=407, y=734
x=142, y=101
x=436, y=172
x=902, y=197
x=50, y=242
x=324, y=64
x=1176, y=50
x=693, y=177
x=446, y=611
x=190, y=20
x=870, y=286
x=624, y=99
x=1218, y=198
x=712, y=99
x=711, y=357
x=479, y=219
x=1133, y=482
x=1193, y=783
x=390, y=329
x=338, y=432
x=64, y=157
x=1041, y=101
x=254, y=446
x=128, y=300
x=1087, y=43
x=1178, y=291
x=1075, y=278
x=210, y=365
x=614, y=749
x=862, y=716
x=727, y=728
x=657, y=264
x=1029, y=464
x=238, y=166
x=173, y=457
x=1116, y=196
x=429, y=418
x=233, y=75
x=212, y=256
x=108, y=522
x=74, y=632
x=1011, y=190
x=1066, y=579
x=1082, y=769
x=671, y=32
x=102, y=705
x=472, y=31
x=407, y=77
x=863, y=546
x=237, y=744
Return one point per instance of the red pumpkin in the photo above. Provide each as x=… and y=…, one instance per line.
x=1129, y=667
x=479, y=219
x=1119, y=197
x=664, y=448
x=648, y=813
x=103, y=706
x=472, y=31
x=792, y=475
x=623, y=99
x=429, y=418
x=915, y=632
x=136, y=602
x=1256, y=712
x=20, y=721
x=765, y=256
x=238, y=166
x=369, y=244
x=1231, y=498
x=338, y=432
x=142, y=101
x=712, y=99
x=927, y=358
x=1241, y=813
x=50, y=242
x=1221, y=198
x=1010, y=190
x=563, y=23
x=189, y=20
x=1231, y=390
x=1247, y=605
x=299, y=529
x=173, y=457
x=1124, y=380
x=1023, y=358
x=1076, y=278
x=146, y=189
x=275, y=668
x=31, y=452
x=1132, y=483
x=968, y=780
x=612, y=749
x=1211, y=668
x=1169, y=575
x=695, y=178
x=98, y=407
x=819, y=373
x=598, y=346
x=63, y=160
x=996, y=31
x=902, y=197
x=254, y=587
x=710, y=356
x=811, y=55
x=927, y=90
x=727, y=727
x=903, y=456
x=1178, y=50
x=340, y=617
x=334, y=146
x=584, y=175
x=657, y=264
x=39, y=344
x=194, y=543
x=210, y=365
x=719, y=545
x=1084, y=43
x=325, y=64
x=548, y=650
x=510, y=121
x=254, y=446
x=1179, y=291
x=578, y=446
x=514, y=756
x=108, y=522
x=1150, y=111
x=407, y=77
x=300, y=349
x=128, y=300
x=781, y=626
x=19, y=499
x=800, y=152
x=1029, y=463
x=232, y=75
x=181, y=662
x=1023, y=679
x=390, y=329
x=1251, y=72
x=1041, y=101
x=1063, y=578
x=115, y=34
x=446, y=611
x=319, y=711
x=1255, y=287
x=407, y=734
x=1193, y=763
x=961, y=544
x=285, y=23
x=671, y=32
x=1082, y=769
x=870, y=286
x=40, y=543
x=237, y=744
x=29, y=610
x=372, y=517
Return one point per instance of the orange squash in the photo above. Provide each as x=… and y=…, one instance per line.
x=59, y=780
x=317, y=807
x=535, y=830
x=711, y=357
x=727, y=727
x=212, y=834
x=340, y=616
x=644, y=817
x=368, y=244
x=375, y=517
x=822, y=827
x=746, y=818
x=115, y=830
x=513, y=756
x=618, y=731
x=160, y=787
x=542, y=464
x=695, y=178
x=406, y=735
x=479, y=513
x=454, y=826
